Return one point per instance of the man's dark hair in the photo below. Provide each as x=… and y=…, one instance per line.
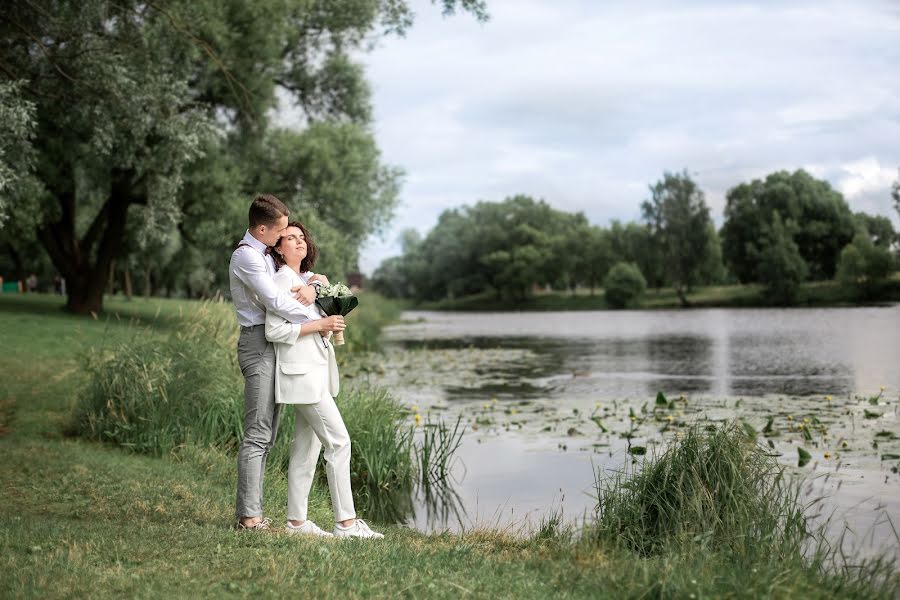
x=266, y=209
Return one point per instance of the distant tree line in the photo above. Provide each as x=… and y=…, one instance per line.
x=779, y=231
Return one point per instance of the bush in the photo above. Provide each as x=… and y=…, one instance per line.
x=623, y=285
x=713, y=489
x=154, y=394
x=864, y=266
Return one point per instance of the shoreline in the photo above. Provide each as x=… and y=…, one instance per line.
x=818, y=294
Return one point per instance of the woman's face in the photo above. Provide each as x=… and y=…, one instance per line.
x=292, y=245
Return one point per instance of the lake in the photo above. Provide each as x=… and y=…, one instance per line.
x=550, y=398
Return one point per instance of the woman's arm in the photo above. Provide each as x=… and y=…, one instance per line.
x=279, y=329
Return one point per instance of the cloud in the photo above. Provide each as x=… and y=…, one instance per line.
x=585, y=103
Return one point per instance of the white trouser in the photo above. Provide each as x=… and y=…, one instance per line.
x=317, y=425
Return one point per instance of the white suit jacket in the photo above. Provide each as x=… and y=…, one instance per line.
x=305, y=366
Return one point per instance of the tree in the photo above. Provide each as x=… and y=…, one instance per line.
x=865, y=265
x=596, y=257
x=877, y=228
x=823, y=219
x=623, y=285
x=634, y=242
x=128, y=94
x=781, y=267
x=679, y=223
x=895, y=192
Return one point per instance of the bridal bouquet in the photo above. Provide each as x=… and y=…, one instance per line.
x=336, y=299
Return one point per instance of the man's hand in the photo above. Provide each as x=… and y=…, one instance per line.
x=304, y=294
x=320, y=278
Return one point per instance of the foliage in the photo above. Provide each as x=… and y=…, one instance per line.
x=623, y=285
x=681, y=230
x=155, y=395
x=505, y=248
x=17, y=124
x=865, y=266
x=707, y=491
x=895, y=192
x=781, y=268
x=129, y=96
x=823, y=219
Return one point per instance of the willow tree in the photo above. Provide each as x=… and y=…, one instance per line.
x=124, y=96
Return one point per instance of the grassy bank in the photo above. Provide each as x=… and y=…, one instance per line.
x=811, y=294
x=84, y=518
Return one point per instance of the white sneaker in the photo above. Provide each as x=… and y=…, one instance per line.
x=359, y=529
x=308, y=528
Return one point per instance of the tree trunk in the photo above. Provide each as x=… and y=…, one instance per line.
x=147, y=285
x=682, y=297
x=86, y=263
x=111, y=280
x=126, y=282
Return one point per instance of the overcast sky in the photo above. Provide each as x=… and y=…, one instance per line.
x=584, y=103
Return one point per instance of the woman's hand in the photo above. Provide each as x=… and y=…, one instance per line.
x=333, y=323
x=320, y=278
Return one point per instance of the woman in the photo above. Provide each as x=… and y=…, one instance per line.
x=306, y=376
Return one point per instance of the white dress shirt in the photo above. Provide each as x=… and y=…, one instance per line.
x=253, y=291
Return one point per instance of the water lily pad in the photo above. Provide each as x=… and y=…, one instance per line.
x=637, y=450
x=803, y=457
x=890, y=456
x=871, y=414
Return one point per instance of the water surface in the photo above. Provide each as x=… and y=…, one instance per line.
x=550, y=398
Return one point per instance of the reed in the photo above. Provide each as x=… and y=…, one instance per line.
x=715, y=500
x=715, y=489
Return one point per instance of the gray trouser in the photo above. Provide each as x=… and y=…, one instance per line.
x=256, y=358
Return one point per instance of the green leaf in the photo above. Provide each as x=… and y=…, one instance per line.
x=886, y=434
x=600, y=424
x=749, y=430
x=768, y=428
x=871, y=414
x=661, y=399
x=637, y=450
x=803, y=457
x=890, y=456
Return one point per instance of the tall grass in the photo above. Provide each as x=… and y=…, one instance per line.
x=713, y=489
x=715, y=499
x=152, y=394
x=155, y=394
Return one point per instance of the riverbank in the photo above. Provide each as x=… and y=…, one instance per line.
x=811, y=294
x=87, y=519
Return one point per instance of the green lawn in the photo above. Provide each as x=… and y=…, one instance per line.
x=82, y=519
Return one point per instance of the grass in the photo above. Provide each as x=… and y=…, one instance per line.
x=815, y=293
x=156, y=394
x=83, y=518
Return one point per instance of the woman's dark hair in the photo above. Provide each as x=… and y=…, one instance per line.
x=312, y=253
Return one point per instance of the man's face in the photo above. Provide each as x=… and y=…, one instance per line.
x=271, y=234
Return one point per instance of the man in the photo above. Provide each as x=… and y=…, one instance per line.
x=253, y=292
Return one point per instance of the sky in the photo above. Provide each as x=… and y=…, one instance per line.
x=585, y=103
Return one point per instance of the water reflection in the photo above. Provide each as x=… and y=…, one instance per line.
x=722, y=352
